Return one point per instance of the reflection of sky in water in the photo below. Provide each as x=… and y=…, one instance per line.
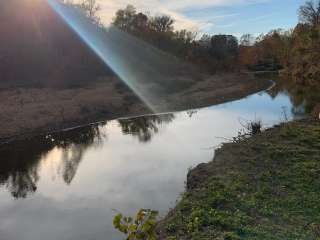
x=258, y=103
x=125, y=174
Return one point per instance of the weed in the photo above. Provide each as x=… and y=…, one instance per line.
x=140, y=228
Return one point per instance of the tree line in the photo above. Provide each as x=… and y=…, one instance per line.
x=295, y=52
x=47, y=52
x=214, y=53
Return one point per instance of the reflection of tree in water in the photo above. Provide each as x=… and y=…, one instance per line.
x=22, y=182
x=190, y=113
x=144, y=128
x=19, y=166
x=303, y=98
x=71, y=158
x=74, y=148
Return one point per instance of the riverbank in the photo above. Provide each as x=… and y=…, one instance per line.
x=264, y=187
x=28, y=111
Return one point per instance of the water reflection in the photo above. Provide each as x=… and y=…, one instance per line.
x=20, y=161
x=73, y=146
x=304, y=99
x=191, y=113
x=69, y=183
x=144, y=127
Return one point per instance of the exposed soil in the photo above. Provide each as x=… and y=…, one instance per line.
x=27, y=111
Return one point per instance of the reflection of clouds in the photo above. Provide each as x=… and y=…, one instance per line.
x=52, y=157
x=122, y=173
x=70, y=160
x=22, y=161
x=41, y=218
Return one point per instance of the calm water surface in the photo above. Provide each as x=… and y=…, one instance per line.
x=68, y=186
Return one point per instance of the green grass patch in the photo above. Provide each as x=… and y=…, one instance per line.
x=265, y=187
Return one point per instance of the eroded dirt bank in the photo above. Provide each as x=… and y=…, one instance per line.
x=264, y=187
x=38, y=110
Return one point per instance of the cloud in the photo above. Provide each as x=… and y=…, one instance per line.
x=248, y=20
x=174, y=8
x=196, y=4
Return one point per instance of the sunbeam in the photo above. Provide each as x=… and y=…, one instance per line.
x=139, y=65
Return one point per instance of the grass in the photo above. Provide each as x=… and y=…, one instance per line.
x=26, y=111
x=265, y=187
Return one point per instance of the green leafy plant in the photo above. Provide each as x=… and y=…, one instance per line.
x=142, y=227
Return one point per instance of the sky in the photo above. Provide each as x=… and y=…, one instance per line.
x=216, y=16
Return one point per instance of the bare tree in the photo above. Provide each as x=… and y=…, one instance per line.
x=91, y=7
x=162, y=23
x=310, y=12
x=247, y=40
x=125, y=18
x=205, y=40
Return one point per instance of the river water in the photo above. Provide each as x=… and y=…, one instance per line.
x=68, y=186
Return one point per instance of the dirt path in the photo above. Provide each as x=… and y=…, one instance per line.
x=40, y=110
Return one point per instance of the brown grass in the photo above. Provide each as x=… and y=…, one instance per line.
x=39, y=110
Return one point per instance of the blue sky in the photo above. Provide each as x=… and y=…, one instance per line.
x=216, y=16
x=253, y=18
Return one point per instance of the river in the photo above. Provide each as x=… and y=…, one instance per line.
x=68, y=186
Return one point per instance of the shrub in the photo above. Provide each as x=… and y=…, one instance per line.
x=142, y=227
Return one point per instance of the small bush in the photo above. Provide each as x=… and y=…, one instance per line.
x=250, y=128
x=142, y=227
x=254, y=127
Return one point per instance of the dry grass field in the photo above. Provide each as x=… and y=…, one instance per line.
x=38, y=110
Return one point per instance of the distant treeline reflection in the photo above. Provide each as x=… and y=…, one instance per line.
x=304, y=99
x=144, y=128
x=21, y=160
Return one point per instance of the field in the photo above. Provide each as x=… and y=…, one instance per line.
x=27, y=111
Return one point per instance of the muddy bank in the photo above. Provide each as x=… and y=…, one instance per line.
x=264, y=187
x=26, y=111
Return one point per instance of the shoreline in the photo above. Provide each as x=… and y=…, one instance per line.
x=192, y=98
x=260, y=187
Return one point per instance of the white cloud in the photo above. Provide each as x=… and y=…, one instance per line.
x=174, y=8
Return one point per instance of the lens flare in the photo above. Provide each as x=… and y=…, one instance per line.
x=139, y=65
